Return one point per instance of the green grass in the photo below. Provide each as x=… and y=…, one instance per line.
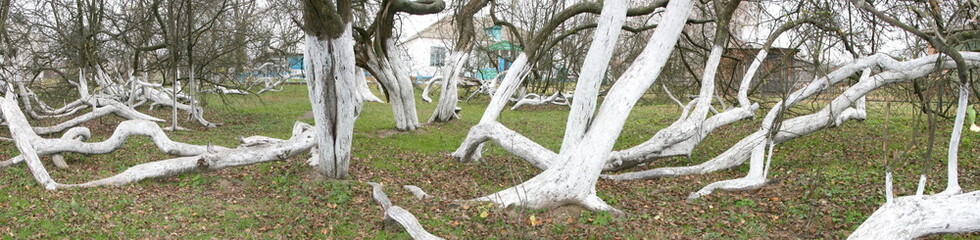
x=827, y=183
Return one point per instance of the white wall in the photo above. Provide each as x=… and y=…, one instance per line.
x=417, y=53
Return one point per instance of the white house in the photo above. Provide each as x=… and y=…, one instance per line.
x=427, y=51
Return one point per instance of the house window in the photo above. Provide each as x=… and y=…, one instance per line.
x=437, y=57
x=495, y=33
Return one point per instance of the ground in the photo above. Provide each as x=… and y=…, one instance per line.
x=824, y=186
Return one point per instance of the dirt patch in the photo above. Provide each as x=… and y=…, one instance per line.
x=307, y=115
x=385, y=132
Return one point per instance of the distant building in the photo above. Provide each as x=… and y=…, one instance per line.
x=781, y=71
x=426, y=52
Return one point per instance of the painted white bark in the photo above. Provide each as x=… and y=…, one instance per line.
x=161, y=97
x=82, y=84
x=449, y=93
x=604, y=40
x=174, y=104
x=952, y=157
x=515, y=75
x=116, y=108
x=71, y=142
x=428, y=85
x=803, y=125
x=214, y=159
x=509, y=140
x=226, y=91
x=417, y=192
x=743, y=88
x=400, y=216
x=682, y=136
x=336, y=102
x=572, y=179
x=487, y=87
x=208, y=157
x=401, y=93
x=512, y=80
x=20, y=131
x=535, y=99
x=834, y=113
x=362, y=87
x=911, y=217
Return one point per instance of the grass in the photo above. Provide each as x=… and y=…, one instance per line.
x=826, y=184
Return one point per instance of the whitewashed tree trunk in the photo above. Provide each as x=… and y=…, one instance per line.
x=911, y=217
x=509, y=140
x=362, y=88
x=515, y=75
x=174, y=104
x=302, y=140
x=20, y=131
x=82, y=84
x=952, y=157
x=417, y=192
x=600, y=52
x=834, y=114
x=210, y=158
x=162, y=97
x=572, y=178
x=918, y=215
x=449, y=94
x=389, y=72
x=738, y=153
x=336, y=102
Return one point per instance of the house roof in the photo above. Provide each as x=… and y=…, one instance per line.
x=445, y=29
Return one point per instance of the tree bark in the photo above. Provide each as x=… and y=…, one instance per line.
x=330, y=69
x=835, y=113
x=399, y=88
x=362, y=88
x=572, y=179
x=916, y=216
x=446, y=110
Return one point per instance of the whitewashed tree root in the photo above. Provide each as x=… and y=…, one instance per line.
x=396, y=214
x=417, y=192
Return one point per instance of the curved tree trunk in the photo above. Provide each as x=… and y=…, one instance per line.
x=515, y=75
x=465, y=32
x=448, y=97
x=400, y=92
x=572, y=179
